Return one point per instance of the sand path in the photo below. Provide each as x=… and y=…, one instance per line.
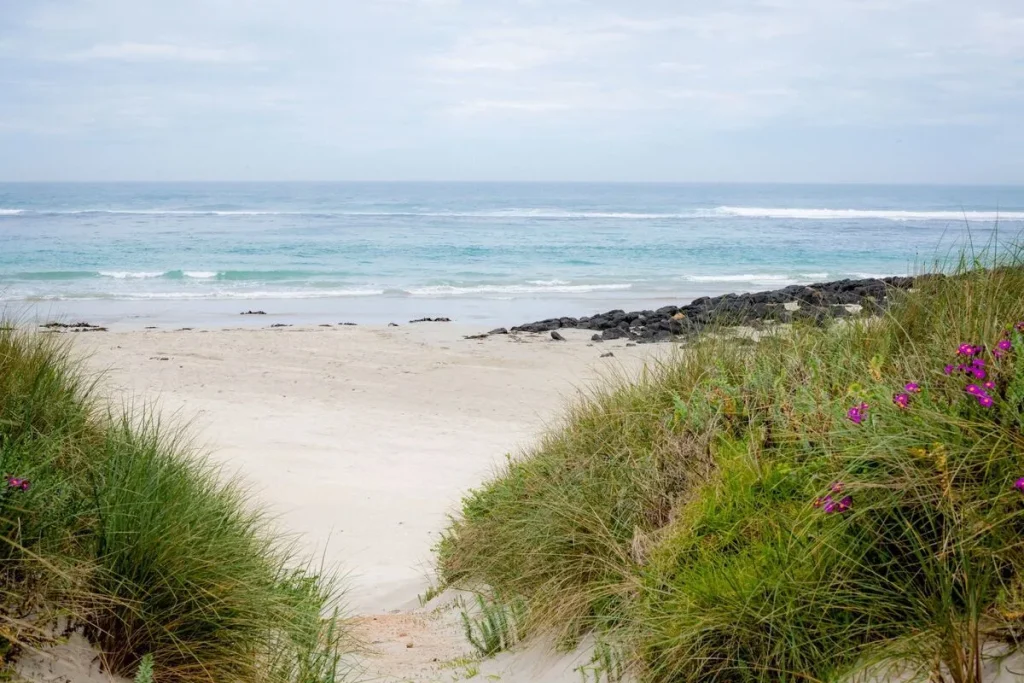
x=362, y=439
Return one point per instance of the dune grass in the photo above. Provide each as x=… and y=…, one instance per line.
x=127, y=534
x=677, y=513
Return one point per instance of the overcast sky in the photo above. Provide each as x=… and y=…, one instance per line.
x=733, y=90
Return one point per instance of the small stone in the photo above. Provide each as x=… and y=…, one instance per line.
x=498, y=330
x=607, y=355
x=392, y=324
x=409, y=644
x=630, y=344
x=556, y=336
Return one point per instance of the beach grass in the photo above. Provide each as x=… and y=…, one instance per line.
x=726, y=517
x=114, y=526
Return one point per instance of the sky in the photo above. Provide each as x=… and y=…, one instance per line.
x=928, y=91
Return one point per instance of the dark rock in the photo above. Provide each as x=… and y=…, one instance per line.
x=280, y=325
x=556, y=336
x=253, y=313
x=607, y=355
x=67, y=326
x=819, y=303
x=325, y=324
x=392, y=324
x=431, y=320
x=348, y=324
x=597, y=338
x=475, y=336
x=498, y=330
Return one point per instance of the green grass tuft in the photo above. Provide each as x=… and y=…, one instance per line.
x=128, y=535
x=676, y=512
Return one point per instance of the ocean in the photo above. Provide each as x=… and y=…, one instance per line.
x=480, y=253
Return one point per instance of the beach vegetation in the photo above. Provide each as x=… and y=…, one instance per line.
x=114, y=526
x=832, y=501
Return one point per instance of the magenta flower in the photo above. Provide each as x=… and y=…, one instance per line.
x=985, y=401
x=1019, y=484
x=948, y=369
x=16, y=483
x=901, y=400
x=845, y=504
x=818, y=502
x=1004, y=345
x=978, y=373
x=974, y=390
x=965, y=350
x=830, y=507
x=856, y=413
x=836, y=487
x=998, y=353
x=912, y=387
x=989, y=385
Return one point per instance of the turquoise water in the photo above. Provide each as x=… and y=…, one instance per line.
x=477, y=252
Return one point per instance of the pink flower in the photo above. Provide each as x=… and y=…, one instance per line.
x=16, y=483
x=836, y=487
x=948, y=369
x=912, y=387
x=1019, y=484
x=985, y=401
x=901, y=400
x=989, y=385
x=818, y=502
x=974, y=390
x=1004, y=345
x=845, y=504
x=965, y=350
x=856, y=414
x=998, y=354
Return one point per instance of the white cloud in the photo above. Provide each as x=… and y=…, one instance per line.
x=150, y=52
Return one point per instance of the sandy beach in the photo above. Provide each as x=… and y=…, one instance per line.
x=361, y=440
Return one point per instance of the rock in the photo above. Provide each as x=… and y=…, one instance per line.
x=392, y=324
x=818, y=303
x=348, y=324
x=431, y=320
x=498, y=330
x=280, y=325
x=607, y=355
x=253, y=313
x=475, y=336
x=556, y=336
x=325, y=324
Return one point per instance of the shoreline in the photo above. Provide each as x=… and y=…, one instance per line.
x=549, y=313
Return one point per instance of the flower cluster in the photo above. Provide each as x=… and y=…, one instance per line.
x=829, y=505
x=857, y=413
x=16, y=483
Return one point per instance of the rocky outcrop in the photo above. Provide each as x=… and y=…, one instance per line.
x=816, y=304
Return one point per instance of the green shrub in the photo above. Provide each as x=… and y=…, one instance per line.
x=678, y=510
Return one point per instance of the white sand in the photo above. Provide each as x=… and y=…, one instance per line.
x=362, y=439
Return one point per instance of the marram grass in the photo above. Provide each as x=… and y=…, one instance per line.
x=111, y=524
x=826, y=503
